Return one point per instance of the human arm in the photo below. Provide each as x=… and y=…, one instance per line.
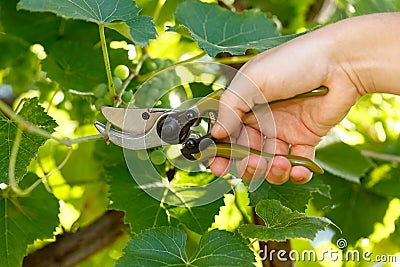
x=352, y=57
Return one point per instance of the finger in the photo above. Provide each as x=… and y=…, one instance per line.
x=230, y=112
x=279, y=167
x=220, y=166
x=279, y=170
x=241, y=95
x=253, y=166
x=300, y=174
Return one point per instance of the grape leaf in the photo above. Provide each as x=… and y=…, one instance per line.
x=122, y=16
x=23, y=219
x=384, y=180
x=344, y=161
x=165, y=246
x=291, y=13
x=75, y=65
x=197, y=219
x=373, y=6
x=282, y=223
x=141, y=210
x=352, y=207
x=30, y=143
x=28, y=27
x=23, y=70
x=165, y=13
x=222, y=248
x=219, y=30
x=293, y=196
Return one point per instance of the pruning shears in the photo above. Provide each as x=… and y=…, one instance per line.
x=143, y=128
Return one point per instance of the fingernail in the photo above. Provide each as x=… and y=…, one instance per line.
x=251, y=170
x=216, y=129
x=277, y=172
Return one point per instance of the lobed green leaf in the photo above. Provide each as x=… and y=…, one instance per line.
x=282, y=223
x=350, y=165
x=75, y=65
x=165, y=246
x=219, y=30
x=23, y=219
x=30, y=143
x=293, y=196
x=355, y=208
x=197, y=219
x=122, y=16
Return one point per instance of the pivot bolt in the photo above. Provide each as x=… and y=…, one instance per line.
x=190, y=143
x=190, y=114
x=145, y=116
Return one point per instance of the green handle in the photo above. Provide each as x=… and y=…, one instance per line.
x=234, y=151
x=211, y=101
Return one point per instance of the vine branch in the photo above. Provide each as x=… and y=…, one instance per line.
x=70, y=249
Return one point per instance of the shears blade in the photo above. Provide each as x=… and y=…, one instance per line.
x=131, y=141
x=136, y=121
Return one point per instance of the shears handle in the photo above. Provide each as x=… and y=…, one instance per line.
x=211, y=101
x=235, y=151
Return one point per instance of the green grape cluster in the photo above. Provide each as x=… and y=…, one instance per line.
x=154, y=64
x=102, y=95
x=156, y=156
x=158, y=85
x=101, y=92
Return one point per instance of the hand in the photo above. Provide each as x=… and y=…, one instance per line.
x=335, y=56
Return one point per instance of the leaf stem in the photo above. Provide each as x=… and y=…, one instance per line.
x=106, y=60
x=27, y=191
x=380, y=156
x=13, y=159
x=58, y=168
x=234, y=59
x=148, y=75
x=29, y=127
x=86, y=138
x=157, y=10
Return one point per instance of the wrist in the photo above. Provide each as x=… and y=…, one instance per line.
x=366, y=50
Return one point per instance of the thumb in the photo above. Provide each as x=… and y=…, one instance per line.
x=240, y=97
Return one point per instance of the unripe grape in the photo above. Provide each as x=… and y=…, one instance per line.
x=121, y=71
x=142, y=154
x=150, y=65
x=99, y=102
x=100, y=90
x=168, y=62
x=117, y=84
x=157, y=157
x=127, y=96
x=159, y=63
x=108, y=100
